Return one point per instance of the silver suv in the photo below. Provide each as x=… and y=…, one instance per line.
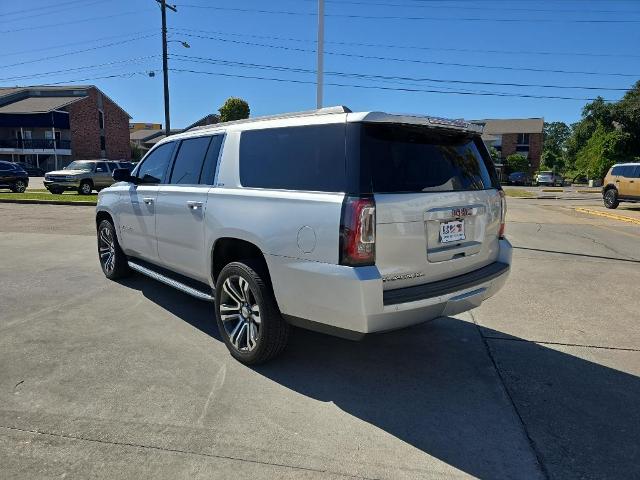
x=83, y=176
x=345, y=223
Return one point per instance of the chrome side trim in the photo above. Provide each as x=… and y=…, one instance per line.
x=171, y=282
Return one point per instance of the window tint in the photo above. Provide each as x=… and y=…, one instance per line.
x=102, y=166
x=189, y=160
x=152, y=168
x=294, y=158
x=636, y=173
x=209, y=170
x=5, y=166
x=616, y=171
x=404, y=158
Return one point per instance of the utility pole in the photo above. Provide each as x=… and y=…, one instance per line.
x=165, y=67
x=320, y=47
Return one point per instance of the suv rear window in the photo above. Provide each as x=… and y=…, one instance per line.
x=410, y=158
x=294, y=158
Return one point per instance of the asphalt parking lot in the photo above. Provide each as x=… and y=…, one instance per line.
x=116, y=380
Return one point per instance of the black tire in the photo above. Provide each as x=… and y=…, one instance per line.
x=55, y=191
x=610, y=198
x=112, y=259
x=270, y=329
x=19, y=187
x=85, y=188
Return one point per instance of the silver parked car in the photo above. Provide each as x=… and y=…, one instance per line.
x=83, y=176
x=549, y=179
x=346, y=223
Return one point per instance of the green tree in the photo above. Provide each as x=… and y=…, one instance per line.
x=555, y=137
x=495, y=154
x=517, y=163
x=234, y=109
x=604, y=148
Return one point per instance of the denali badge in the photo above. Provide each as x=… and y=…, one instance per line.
x=401, y=276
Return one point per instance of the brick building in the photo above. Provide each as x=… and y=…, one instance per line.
x=523, y=136
x=49, y=127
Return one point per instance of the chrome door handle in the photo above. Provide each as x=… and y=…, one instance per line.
x=148, y=200
x=194, y=205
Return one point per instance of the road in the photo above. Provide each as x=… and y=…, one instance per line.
x=115, y=380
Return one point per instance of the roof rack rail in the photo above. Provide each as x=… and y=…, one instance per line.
x=306, y=113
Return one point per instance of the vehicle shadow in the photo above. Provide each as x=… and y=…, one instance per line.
x=436, y=387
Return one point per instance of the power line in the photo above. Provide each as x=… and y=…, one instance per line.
x=412, y=18
x=218, y=61
x=465, y=7
x=415, y=47
x=377, y=87
x=78, y=42
x=71, y=22
x=55, y=6
x=66, y=54
x=58, y=10
x=423, y=62
x=86, y=67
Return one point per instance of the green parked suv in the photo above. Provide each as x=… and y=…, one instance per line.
x=83, y=176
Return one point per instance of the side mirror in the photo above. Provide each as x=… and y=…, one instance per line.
x=123, y=175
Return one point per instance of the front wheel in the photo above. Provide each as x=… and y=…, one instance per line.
x=112, y=259
x=248, y=317
x=19, y=187
x=85, y=188
x=610, y=198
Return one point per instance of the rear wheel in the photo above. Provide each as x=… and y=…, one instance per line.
x=610, y=198
x=248, y=317
x=112, y=259
x=85, y=187
x=19, y=187
x=55, y=191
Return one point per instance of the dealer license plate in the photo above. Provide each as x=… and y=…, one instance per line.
x=452, y=231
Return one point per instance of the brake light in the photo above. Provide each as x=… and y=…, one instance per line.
x=358, y=231
x=503, y=213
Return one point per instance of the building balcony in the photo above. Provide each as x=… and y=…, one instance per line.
x=41, y=146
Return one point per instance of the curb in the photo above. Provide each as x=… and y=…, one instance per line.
x=47, y=202
x=555, y=190
x=612, y=216
x=589, y=191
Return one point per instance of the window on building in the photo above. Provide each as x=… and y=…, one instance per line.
x=189, y=161
x=102, y=142
x=101, y=119
x=154, y=165
x=523, y=139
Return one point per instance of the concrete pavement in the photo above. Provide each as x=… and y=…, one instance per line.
x=114, y=380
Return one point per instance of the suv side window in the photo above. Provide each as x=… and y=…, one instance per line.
x=294, y=158
x=5, y=167
x=101, y=167
x=211, y=162
x=189, y=160
x=154, y=165
x=616, y=171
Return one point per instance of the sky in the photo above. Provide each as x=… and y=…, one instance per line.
x=434, y=57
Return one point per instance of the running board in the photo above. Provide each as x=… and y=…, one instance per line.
x=171, y=282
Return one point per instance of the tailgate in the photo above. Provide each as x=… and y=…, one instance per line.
x=426, y=237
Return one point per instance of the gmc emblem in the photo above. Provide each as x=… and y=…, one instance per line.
x=460, y=212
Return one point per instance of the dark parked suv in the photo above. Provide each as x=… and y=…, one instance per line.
x=13, y=177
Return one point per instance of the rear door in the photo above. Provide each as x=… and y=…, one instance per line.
x=437, y=202
x=102, y=175
x=634, y=182
x=181, y=207
x=625, y=181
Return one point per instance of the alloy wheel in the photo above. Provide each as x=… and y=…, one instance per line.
x=20, y=186
x=609, y=198
x=107, y=249
x=240, y=313
x=86, y=188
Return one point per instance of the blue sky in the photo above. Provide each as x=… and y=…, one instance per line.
x=493, y=40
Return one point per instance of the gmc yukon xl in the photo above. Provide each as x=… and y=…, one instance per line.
x=345, y=223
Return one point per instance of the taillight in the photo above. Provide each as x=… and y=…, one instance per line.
x=503, y=213
x=358, y=231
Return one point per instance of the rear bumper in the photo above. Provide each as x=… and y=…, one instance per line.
x=350, y=302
